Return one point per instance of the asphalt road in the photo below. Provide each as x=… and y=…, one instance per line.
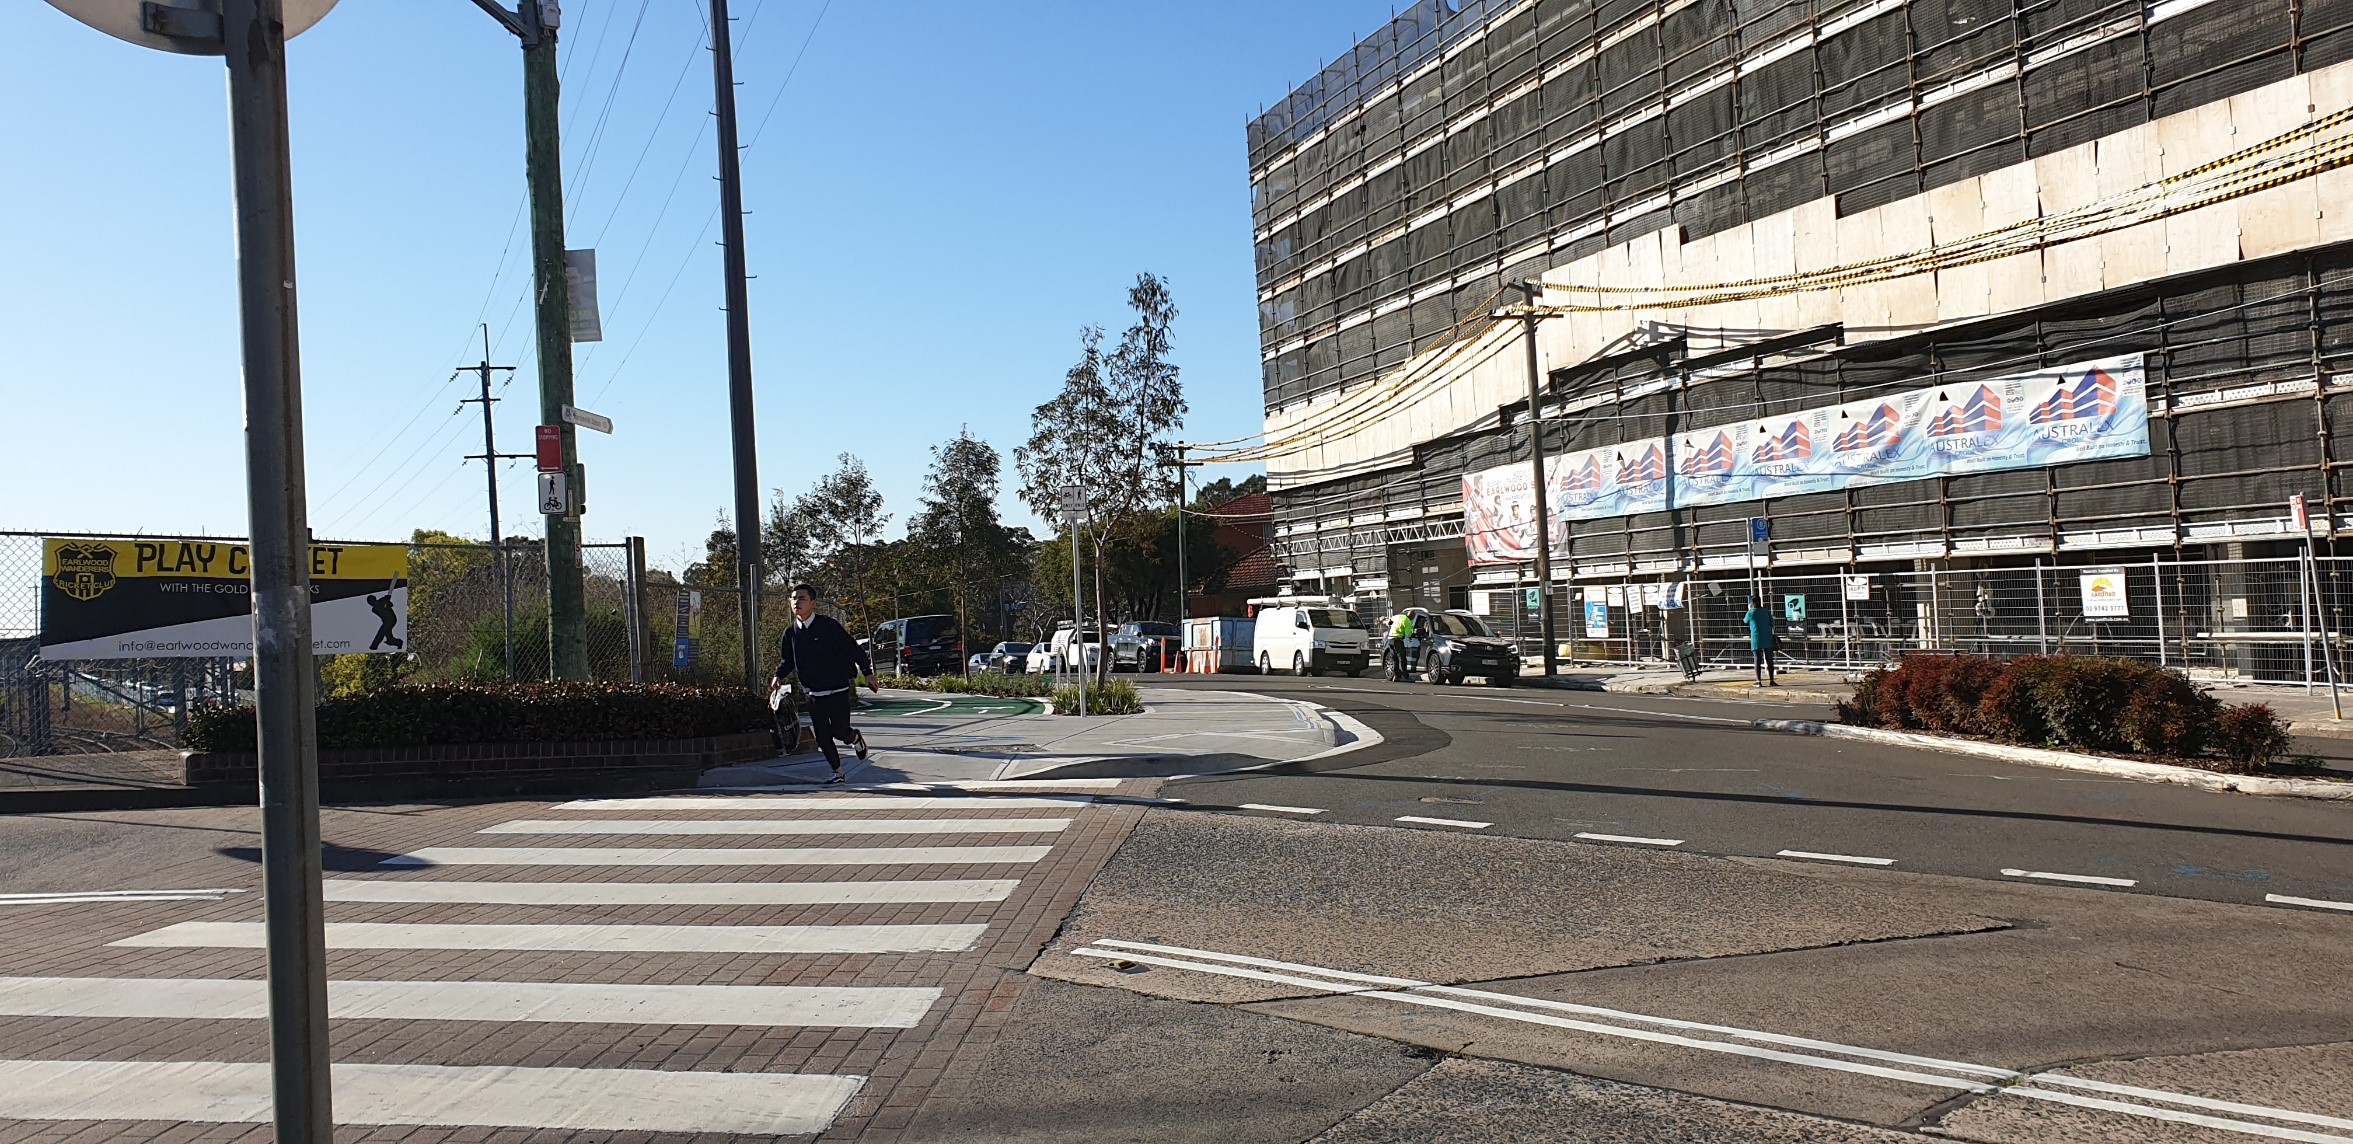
x=1691, y=775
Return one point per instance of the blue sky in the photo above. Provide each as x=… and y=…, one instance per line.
x=945, y=192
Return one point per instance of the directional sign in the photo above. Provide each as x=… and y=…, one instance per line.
x=586, y=420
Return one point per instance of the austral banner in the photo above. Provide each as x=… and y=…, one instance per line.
x=2091, y=411
x=177, y=599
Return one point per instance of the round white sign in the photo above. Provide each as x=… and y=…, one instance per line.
x=120, y=19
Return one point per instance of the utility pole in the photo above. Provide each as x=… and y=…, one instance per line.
x=534, y=23
x=1535, y=290
x=1184, y=582
x=490, y=457
x=748, y=572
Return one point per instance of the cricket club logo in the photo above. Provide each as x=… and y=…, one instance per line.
x=84, y=571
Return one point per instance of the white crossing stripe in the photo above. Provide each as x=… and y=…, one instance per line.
x=623, y=856
x=625, y=1100
x=1632, y=839
x=781, y=826
x=2086, y=879
x=1821, y=857
x=587, y=938
x=759, y=803
x=672, y=893
x=206, y=1000
x=2315, y=903
x=67, y=896
x=1444, y=822
x=1282, y=809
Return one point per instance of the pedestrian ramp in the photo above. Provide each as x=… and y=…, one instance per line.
x=782, y=903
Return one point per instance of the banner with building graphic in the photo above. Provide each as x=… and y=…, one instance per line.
x=2090, y=411
x=170, y=599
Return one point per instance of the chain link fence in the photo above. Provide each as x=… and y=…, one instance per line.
x=2252, y=620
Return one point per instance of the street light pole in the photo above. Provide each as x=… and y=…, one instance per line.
x=285, y=690
x=1535, y=290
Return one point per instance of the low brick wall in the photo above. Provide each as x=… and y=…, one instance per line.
x=497, y=768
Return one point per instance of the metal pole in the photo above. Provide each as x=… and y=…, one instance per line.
x=1534, y=290
x=567, y=623
x=2157, y=580
x=285, y=689
x=2304, y=609
x=633, y=593
x=742, y=430
x=1184, y=582
x=2042, y=621
x=498, y=547
x=2328, y=659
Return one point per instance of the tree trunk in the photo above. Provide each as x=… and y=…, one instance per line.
x=1103, y=656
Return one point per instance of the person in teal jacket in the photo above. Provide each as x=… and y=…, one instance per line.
x=1761, y=642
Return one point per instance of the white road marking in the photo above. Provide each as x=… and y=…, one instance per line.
x=781, y=826
x=760, y=804
x=1820, y=857
x=639, y=1100
x=1630, y=838
x=1929, y=1071
x=210, y=1000
x=671, y=893
x=66, y=896
x=1282, y=809
x=1444, y=822
x=709, y=856
x=2086, y=879
x=2315, y=903
x=585, y=938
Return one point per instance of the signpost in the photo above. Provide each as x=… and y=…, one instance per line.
x=251, y=35
x=1074, y=510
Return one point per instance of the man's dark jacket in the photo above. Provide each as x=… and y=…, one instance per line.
x=823, y=652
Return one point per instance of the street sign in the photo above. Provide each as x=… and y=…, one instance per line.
x=181, y=27
x=575, y=415
x=554, y=498
x=550, y=443
x=1760, y=536
x=2300, y=513
x=1597, y=619
x=580, y=288
x=1535, y=598
x=1857, y=587
x=1074, y=500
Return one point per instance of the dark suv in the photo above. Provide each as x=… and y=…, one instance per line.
x=918, y=645
x=1145, y=645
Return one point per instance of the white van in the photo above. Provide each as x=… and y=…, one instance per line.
x=1309, y=635
x=1054, y=653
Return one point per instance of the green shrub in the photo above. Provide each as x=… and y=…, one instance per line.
x=2250, y=738
x=994, y=683
x=446, y=713
x=1114, y=697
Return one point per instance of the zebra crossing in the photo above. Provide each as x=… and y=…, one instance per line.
x=801, y=909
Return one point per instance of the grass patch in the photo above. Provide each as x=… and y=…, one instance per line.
x=993, y=683
x=1104, y=697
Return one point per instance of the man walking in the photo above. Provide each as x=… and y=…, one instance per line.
x=1761, y=641
x=830, y=664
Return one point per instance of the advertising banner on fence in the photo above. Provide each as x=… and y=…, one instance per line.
x=185, y=599
x=2089, y=411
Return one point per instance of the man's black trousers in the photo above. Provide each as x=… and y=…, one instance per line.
x=829, y=720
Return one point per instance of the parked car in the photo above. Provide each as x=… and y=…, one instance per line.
x=918, y=645
x=1054, y=654
x=978, y=662
x=1145, y=645
x=1009, y=658
x=1456, y=645
x=1309, y=635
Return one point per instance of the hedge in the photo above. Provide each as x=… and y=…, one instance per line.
x=444, y=713
x=994, y=683
x=1116, y=697
x=2090, y=703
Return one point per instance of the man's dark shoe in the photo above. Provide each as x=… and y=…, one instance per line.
x=835, y=780
x=861, y=746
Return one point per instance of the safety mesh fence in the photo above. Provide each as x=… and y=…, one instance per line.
x=2257, y=620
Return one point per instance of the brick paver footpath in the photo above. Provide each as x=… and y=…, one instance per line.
x=696, y=967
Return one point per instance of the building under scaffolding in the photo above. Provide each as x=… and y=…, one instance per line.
x=1965, y=298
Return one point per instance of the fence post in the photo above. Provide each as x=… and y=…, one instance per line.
x=2157, y=581
x=2304, y=610
x=633, y=599
x=2042, y=612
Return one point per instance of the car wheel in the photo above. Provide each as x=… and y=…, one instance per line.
x=1298, y=664
x=1265, y=666
x=1432, y=674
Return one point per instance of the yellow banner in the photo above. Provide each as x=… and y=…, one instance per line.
x=95, y=561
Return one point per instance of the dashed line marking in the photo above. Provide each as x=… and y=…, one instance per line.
x=2085, y=879
x=70, y=896
x=1444, y=822
x=1630, y=838
x=2314, y=903
x=1282, y=809
x=1858, y=859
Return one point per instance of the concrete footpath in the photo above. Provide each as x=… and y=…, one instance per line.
x=1181, y=731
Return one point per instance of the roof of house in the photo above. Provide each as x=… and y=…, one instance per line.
x=1243, y=509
